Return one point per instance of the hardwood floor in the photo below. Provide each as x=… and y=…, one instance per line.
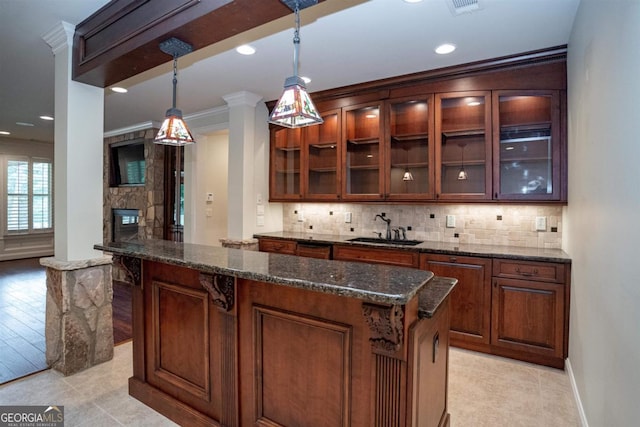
x=22, y=317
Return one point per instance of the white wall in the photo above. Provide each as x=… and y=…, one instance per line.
x=603, y=228
x=210, y=171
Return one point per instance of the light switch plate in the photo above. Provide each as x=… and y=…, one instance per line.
x=300, y=216
x=347, y=217
x=451, y=221
x=541, y=223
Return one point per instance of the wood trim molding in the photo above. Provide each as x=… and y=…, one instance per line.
x=386, y=324
x=221, y=288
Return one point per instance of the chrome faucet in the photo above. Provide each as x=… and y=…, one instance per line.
x=388, y=221
x=404, y=232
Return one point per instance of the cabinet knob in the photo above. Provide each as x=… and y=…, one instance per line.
x=453, y=259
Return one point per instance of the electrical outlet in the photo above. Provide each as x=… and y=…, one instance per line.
x=541, y=223
x=451, y=221
x=300, y=216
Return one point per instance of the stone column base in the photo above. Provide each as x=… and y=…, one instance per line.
x=79, y=322
x=247, y=245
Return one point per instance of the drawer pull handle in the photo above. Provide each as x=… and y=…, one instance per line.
x=534, y=272
x=453, y=259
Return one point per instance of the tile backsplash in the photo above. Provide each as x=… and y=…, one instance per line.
x=509, y=225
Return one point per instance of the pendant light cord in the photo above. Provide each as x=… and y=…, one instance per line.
x=175, y=79
x=296, y=40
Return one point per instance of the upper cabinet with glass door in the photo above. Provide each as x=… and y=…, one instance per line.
x=463, y=145
x=286, y=163
x=363, y=152
x=526, y=145
x=410, y=155
x=322, y=145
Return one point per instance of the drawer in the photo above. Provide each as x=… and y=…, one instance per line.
x=529, y=270
x=314, y=250
x=378, y=256
x=277, y=246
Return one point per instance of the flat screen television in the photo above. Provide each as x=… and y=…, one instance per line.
x=127, y=163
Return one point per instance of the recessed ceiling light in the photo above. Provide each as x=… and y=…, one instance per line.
x=445, y=48
x=305, y=79
x=25, y=124
x=49, y=118
x=4, y=132
x=118, y=89
x=371, y=116
x=245, y=49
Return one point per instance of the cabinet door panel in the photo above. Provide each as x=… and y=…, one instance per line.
x=526, y=145
x=375, y=255
x=285, y=163
x=322, y=147
x=528, y=316
x=463, y=145
x=470, y=299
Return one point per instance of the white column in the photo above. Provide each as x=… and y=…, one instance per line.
x=78, y=140
x=241, y=191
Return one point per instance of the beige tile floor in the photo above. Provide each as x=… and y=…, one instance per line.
x=483, y=391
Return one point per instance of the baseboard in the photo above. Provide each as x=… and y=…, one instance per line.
x=576, y=394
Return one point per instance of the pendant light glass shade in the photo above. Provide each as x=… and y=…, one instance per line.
x=462, y=175
x=408, y=176
x=174, y=130
x=295, y=109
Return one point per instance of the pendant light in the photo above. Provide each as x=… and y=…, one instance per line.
x=408, y=176
x=462, y=174
x=174, y=130
x=295, y=109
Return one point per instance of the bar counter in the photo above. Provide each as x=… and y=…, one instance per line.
x=241, y=338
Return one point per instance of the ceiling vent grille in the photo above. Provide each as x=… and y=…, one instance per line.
x=458, y=7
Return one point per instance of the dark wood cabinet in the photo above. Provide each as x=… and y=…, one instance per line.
x=376, y=255
x=285, y=164
x=312, y=250
x=496, y=134
x=527, y=152
x=530, y=310
x=278, y=246
x=470, y=299
x=463, y=145
x=323, y=170
x=409, y=149
x=363, y=152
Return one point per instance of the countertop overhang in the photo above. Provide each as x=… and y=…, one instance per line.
x=508, y=252
x=369, y=282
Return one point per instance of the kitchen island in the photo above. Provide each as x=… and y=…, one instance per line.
x=239, y=338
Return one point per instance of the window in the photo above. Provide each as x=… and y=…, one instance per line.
x=29, y=198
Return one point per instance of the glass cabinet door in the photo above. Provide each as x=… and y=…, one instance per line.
x=323, y=148
x=362, y=152
x=527, y=145
x=410, y=156
x=285, y=164
x=463, y=145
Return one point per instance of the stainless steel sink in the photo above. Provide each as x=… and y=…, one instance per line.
x=384, y=241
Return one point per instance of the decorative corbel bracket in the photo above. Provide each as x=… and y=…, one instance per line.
x=132, y=266
x=221, y=288
x=386, y=324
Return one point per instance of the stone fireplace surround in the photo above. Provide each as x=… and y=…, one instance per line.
x=148, y=199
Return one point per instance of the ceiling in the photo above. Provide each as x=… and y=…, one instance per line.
x=342, y=42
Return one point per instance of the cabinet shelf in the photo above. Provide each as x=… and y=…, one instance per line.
x=466, y=163
x=464, y=133
x=288, y=171
x=364, y=167
x=322, y=170
x=324, y=145
x=362, y=141
x=287, y=149
x=410, y=165
x=525, y=159
x=410, y=137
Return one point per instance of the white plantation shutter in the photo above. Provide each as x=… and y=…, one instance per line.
x=41, y=184
x=17, y=195
x=29, y=195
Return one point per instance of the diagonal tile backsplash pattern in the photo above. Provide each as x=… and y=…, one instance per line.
x=508, y=225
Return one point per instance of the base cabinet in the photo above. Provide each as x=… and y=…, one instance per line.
x=470, y=299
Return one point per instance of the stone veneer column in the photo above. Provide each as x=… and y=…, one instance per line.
x=79, y=323
x=79, y=328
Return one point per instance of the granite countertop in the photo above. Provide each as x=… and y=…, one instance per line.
x=509, y=252
x=432, y=295
x=370, y=282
